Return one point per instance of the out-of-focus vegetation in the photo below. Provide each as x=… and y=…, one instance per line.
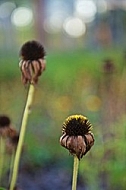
x=75, y=82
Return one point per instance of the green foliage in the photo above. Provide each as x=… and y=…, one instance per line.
x=73, y=83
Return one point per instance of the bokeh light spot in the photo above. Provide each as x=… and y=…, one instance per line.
x=102, y=6
x=6, y=9
x=22, y=16
x=86, y=9
x=54, y=23
x=74, y=27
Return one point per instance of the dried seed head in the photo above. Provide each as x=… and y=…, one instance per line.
x=5, y=123
x=76, y=125
x=77, y=136
x=32, y=50
x=32, y=62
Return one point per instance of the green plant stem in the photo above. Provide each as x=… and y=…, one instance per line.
x=2, y=152
x=21, y=137
x=75, y=172
x=11, y=165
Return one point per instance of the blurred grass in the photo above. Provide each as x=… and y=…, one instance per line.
x=70, y=85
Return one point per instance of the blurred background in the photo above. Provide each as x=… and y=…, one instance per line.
x=85, y=43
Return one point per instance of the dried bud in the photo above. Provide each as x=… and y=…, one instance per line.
x=4, y=125
x=4, y=121
x=32, y=62
x=77, y=136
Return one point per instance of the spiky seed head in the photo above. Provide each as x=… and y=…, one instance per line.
x=4, y=121
x=32, y=50
x=77, y=136
x=76, y=125
x=5, y=126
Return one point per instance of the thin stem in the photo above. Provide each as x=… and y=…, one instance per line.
x=75, y=172
x=2, y=152
x=11, y=165
x=21, y=137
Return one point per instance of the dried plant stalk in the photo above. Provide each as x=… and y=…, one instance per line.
x=75, y=173
x=21, y=137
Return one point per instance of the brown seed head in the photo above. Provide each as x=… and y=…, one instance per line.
x=77, y=136
x=5, y=123
x=32, y=62
x=32, y=50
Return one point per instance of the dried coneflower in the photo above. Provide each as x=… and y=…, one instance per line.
x=77, y=136
x=78, y=139
x=5, y=131
x=32, y=62
x=32, y=65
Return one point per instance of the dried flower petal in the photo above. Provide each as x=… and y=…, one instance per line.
x=89, y=140
x=12, y=142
